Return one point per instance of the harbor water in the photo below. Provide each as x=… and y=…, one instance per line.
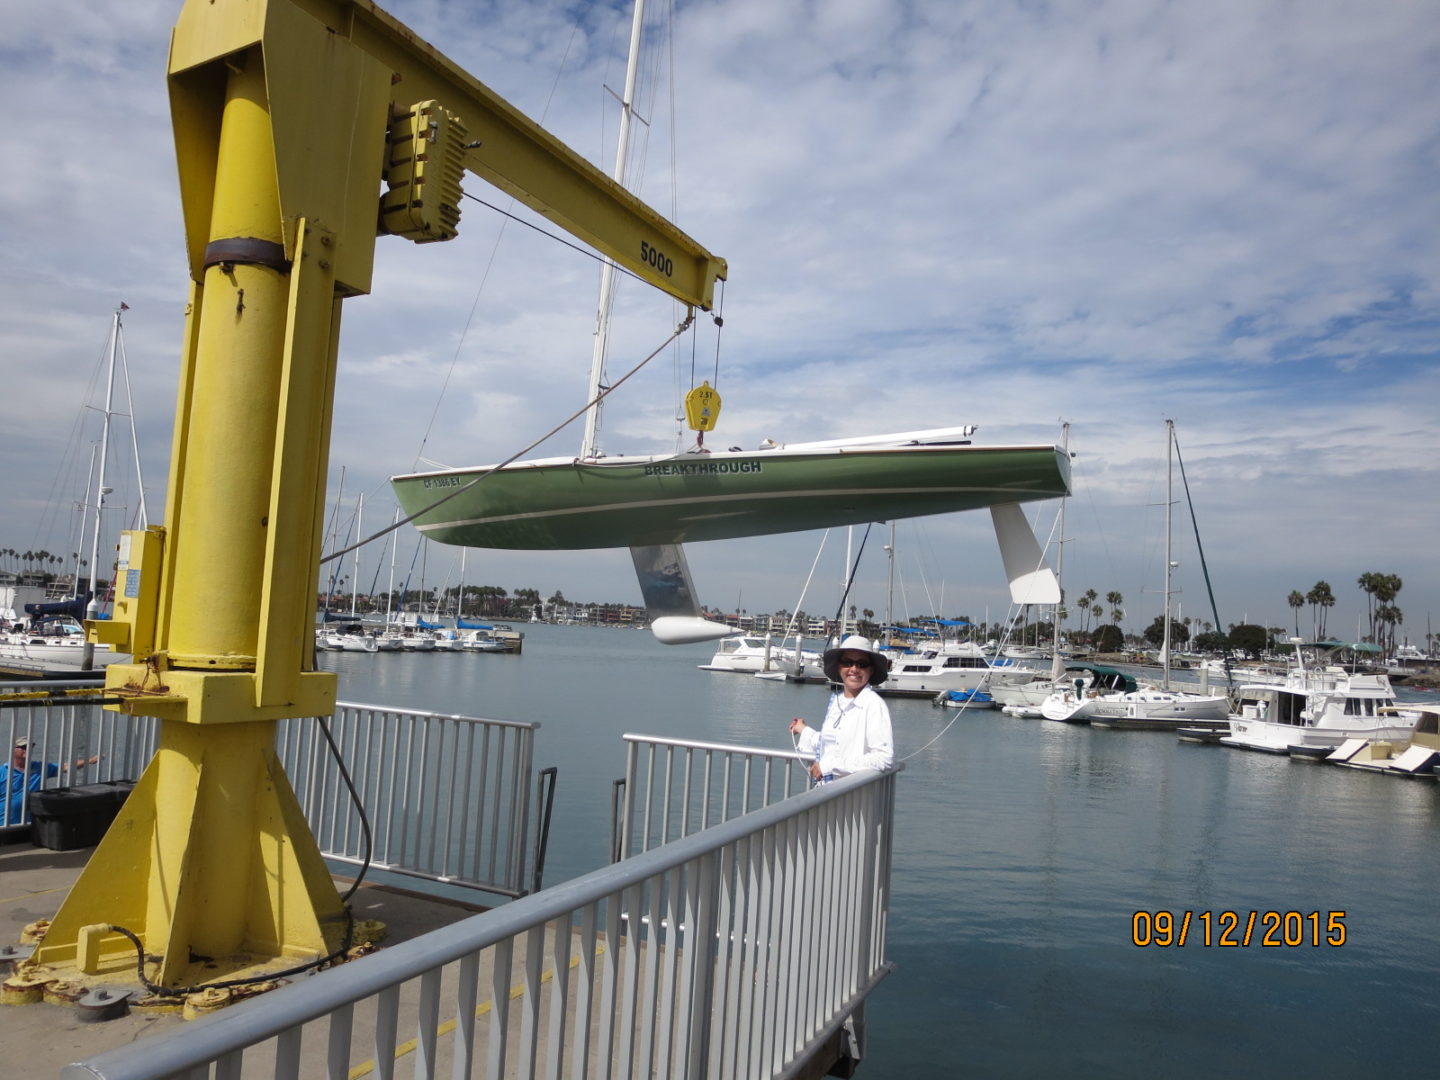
x=1030, y=858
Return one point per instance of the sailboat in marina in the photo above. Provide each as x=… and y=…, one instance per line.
x=55, y=635
x=1147, y=705
x=653, y=504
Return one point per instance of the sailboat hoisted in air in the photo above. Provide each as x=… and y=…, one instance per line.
x=653, y=504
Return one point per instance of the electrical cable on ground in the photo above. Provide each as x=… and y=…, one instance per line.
x=347, y=941
x=225, y=984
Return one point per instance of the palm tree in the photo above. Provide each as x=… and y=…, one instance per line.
x=1321, y=599
x=1381, y=590
x=1387, y=618
x=1114, y=599
x=1296, y=600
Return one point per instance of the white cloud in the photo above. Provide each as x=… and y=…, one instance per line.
x=934, y=213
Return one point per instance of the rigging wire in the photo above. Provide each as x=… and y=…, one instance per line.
x=850, y=579
x=553, y=236
x=489, y=265
x=1204, y=567
x=689, y=320
x=1004, y=640
x=719, y=320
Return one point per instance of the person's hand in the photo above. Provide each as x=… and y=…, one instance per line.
x=815, y=770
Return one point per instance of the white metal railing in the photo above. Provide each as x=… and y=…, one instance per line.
x=674, y=787
x=737, y=951
x=448, y=798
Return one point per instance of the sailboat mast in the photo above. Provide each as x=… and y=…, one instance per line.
x=890, y=584
x=355, y=572
x=92, y=609
x=1057, y=665
x=460, y=599
x=84, y=521
x=1169, y=565
x=390, y=595
x=142, y=518
x=589, y=447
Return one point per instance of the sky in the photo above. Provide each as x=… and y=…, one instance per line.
x=1014, y=215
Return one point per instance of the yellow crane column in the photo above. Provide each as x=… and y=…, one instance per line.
x=288, y=116
x=234, y=875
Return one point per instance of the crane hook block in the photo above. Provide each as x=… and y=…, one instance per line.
x=424, y=166
x=702, y=407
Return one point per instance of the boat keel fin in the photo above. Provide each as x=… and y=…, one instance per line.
x=665, y=587
x=1031, y=580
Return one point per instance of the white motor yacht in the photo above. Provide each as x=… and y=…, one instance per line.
x=748, y=653
x=928, y=672
x=1317, y=706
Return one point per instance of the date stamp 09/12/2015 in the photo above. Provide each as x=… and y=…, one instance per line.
x=1238, y=929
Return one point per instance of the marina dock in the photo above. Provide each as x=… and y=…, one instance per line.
x=716, y=840
x=33, y=882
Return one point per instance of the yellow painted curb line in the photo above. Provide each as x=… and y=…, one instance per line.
x=409, y=1045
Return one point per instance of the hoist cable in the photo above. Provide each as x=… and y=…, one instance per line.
x=685, y=325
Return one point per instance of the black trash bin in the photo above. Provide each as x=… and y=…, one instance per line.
x=63, y=819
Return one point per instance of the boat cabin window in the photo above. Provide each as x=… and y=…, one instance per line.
x=964, y=662
x=1359, y=706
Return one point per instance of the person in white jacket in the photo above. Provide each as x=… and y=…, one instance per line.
x=856, y=732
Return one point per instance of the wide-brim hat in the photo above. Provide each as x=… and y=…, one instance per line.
x=879, y=662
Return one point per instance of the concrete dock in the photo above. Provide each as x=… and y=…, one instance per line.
x=45, y=1037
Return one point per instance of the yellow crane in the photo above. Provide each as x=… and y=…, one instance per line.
x=289, y=116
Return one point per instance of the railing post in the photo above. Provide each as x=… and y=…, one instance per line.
x=701, y=946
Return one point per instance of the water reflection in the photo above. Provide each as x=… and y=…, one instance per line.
x=1024, y=848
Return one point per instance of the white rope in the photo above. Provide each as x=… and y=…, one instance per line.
x=689, y=318
x=999, y=649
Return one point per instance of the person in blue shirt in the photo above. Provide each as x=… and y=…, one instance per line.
x=23, y=775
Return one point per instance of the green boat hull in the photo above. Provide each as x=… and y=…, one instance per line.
x=564, y=505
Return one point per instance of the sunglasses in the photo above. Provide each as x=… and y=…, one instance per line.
x=861, y=662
